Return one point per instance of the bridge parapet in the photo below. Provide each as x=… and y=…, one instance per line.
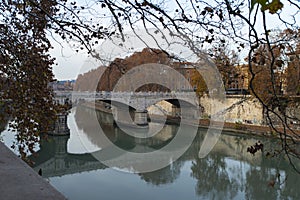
x=137, y=100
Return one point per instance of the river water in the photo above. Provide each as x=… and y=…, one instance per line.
x=228, y=172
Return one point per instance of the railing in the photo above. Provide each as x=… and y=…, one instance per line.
x=106, y=94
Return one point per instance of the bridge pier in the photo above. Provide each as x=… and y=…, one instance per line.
x=61, y=145
x=190, y=113
x=122, y=115
x=140, y=117
x=176, y=111
x=60, y=127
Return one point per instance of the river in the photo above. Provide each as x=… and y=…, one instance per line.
x=227, y=172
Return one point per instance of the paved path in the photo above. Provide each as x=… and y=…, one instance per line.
x=19, y=181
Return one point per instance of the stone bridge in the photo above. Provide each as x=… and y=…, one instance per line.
x=185, y=103
x=139, y=100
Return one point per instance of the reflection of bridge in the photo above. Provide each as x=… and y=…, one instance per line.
x=228, y=163
x=185, y=103
x=54, y=159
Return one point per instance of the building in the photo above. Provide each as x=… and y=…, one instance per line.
x=62, y=85
x=240, y=78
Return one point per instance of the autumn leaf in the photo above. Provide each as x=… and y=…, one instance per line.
x=273, y=6
x=260, y=2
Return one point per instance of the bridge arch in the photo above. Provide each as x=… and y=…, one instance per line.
x=118, y=104
x=174, y=107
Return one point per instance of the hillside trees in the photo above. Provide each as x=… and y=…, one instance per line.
x=104, y=78
x=198, y=82
x=89, y=80
x=119, y=66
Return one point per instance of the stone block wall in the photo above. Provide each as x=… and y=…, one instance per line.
x=236, y=109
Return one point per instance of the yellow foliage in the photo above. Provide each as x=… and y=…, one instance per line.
x=198, y=82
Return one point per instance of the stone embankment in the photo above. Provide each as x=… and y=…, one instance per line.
x=238, y=128
x=19, y=181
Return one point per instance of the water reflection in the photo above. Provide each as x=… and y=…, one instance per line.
x=165, y=175
x=84, y=120
x=54, y=160
x=228, y=172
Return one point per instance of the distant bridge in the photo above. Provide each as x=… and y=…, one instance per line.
x=136, y=100
x=185, y=103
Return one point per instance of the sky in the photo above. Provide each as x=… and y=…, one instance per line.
x=68, y=62
x=71, y=63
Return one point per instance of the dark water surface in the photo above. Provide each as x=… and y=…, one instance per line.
x=228, y=172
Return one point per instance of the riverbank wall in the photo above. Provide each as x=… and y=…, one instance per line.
x=234, y=127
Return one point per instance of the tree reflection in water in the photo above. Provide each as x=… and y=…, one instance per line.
x=228, y=172
x=218, y=178
x=213, y=179
x=165, y=175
